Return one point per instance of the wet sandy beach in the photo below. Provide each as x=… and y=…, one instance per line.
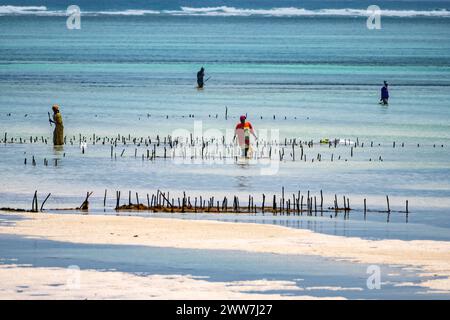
x=136, y=257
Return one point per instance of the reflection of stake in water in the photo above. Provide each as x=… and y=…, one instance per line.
x=83, y=146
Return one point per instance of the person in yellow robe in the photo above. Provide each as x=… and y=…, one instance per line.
x=58, y=133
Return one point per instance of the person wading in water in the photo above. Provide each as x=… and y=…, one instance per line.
x=384, y=94
x=58, y=133
x=200, y=76
x=243, y=131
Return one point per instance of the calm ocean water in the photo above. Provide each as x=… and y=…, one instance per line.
x=316, y=64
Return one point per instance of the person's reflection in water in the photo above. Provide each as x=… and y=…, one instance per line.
x=243, y=182
x=58, y=154
x=58, y=150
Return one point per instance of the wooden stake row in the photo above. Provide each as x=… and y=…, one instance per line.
x=195, y=141
x=298, y=204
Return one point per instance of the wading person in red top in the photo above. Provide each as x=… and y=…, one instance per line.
x=243, y=131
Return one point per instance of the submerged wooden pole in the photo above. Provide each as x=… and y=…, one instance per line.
x=85, y=204
x=274, y=206
x=42, y=205
x=32, y=201
x=321, y=201
x=301, y=205
x=117, y=199
x=315, y=206
x=407, y=211
x=35, y=202
x=166, y=199
x=263, y=203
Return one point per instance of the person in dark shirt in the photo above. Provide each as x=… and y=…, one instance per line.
x=384, y=94
x=200, y=76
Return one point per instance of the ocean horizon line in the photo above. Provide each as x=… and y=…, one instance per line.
x=225, y=11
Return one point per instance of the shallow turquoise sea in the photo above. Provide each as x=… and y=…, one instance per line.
x=318, y=75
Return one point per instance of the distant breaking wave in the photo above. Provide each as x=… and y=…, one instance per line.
x=224, y=11
x=42, y=11
x=16, y=10
x=296, y=12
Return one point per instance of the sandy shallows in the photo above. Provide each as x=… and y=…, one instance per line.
x=61, y=283
x=433, y=257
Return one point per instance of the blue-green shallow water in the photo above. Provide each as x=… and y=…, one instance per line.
x=357, y=179
x=322, y=73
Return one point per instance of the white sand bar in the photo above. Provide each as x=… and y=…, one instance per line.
x=432, y=257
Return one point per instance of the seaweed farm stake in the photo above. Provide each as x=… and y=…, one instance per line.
x=42, y=205
x=34, y=205
x=263, y=202
x=321, y=201
x=117, y=199
x=315, y=206
x=301, y=206
x=365, y=208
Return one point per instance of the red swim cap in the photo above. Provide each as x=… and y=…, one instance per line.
x=243, y=118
